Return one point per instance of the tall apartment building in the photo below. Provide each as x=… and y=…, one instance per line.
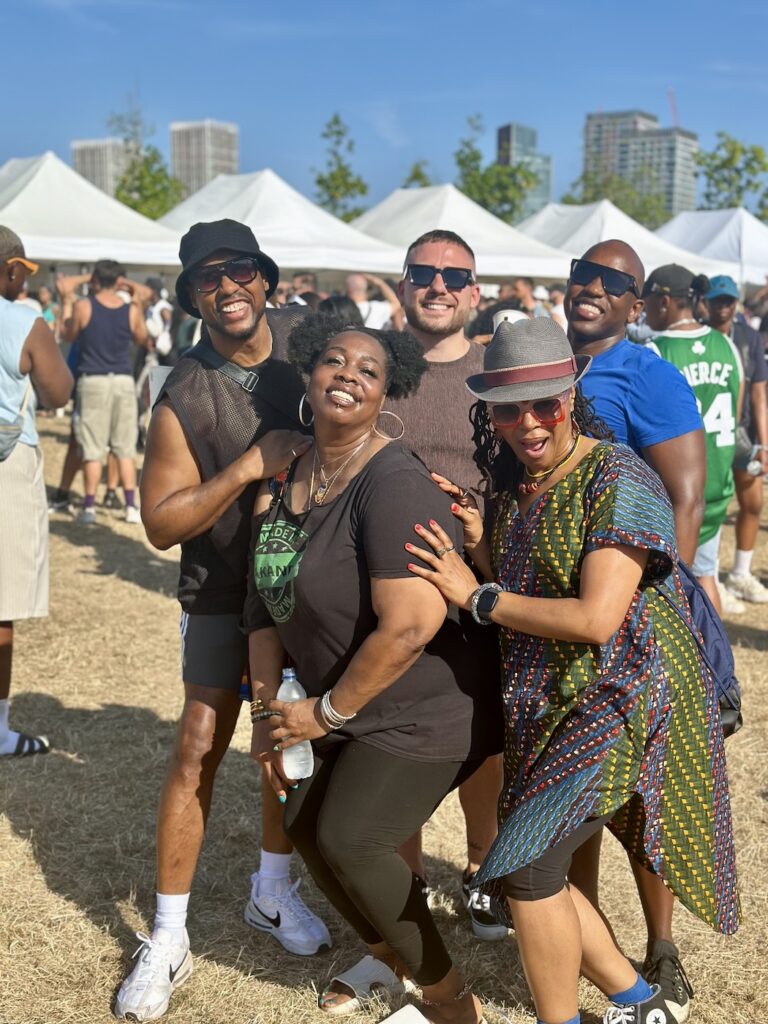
x=633, y=145
x=202, y=149
x=516, y=143
x=101, y=161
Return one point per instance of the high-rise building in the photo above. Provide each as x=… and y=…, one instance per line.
x=101, y=161
x=633, y=145
x=516, y=143
x=202, y=149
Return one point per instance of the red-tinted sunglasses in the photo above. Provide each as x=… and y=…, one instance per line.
x=548, y=411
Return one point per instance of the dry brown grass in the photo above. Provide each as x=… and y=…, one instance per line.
x=77, y=867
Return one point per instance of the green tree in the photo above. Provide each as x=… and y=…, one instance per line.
x=146, y=184
x=417, y=176
x=500, y=189
x=733, y=172
x=637, y=197
x=338, y=185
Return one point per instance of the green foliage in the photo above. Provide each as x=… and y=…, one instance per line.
x=338, y=185
x=732, y=172
x=637, y=197
x=499, y=189
x=417, y=176
x=146, y=185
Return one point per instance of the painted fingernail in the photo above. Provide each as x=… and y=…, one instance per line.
x=418, y=526
x=282, y=797
x=276, y=748
x=432, y=522
x=410, y=566
x=295, y=785
x=409, y=547
x=454, y=507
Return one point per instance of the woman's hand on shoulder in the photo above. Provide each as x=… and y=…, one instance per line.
x=465, y=508
x=443, y=567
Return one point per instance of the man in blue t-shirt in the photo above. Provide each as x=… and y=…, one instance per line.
x=650, y=406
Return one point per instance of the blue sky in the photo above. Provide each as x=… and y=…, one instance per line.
x=403, y=75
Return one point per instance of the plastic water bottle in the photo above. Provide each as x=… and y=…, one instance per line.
x=754, y=467
x=298, y=760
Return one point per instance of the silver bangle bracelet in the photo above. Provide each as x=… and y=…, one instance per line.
x=332, y=717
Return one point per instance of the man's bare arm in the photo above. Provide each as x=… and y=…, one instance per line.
x=175, y=504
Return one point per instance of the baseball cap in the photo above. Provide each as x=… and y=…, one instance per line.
x=540, y=292
x=12, y=250
x=672, y=280
x=722, y=284
x=208, y=237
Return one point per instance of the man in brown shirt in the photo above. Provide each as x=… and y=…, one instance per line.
x=438, y=293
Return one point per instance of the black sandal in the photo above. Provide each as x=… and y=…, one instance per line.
x=26, y=746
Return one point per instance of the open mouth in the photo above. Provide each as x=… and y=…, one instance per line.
x=587, y=310
x=340, y=398
x=234, y=310
x=534, y=446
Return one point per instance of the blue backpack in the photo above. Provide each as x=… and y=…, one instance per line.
x=714, y=648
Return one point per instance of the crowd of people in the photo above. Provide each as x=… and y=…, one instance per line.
x=460, y=520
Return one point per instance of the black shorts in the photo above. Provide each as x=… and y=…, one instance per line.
x=213, y=650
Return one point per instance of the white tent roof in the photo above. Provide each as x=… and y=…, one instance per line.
x=62, y=217
x=577, y=228
x=289, y=228
x=501, y=250
x=733, y=236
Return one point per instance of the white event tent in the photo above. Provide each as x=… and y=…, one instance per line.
x=501, y=250
x=577, y=228
x=733, y=236
x=62, y=218
x=289, y=227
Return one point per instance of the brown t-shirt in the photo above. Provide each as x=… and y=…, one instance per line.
x=436, y=418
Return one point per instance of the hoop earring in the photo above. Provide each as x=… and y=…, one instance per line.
x=302, y=400
x=386, y=412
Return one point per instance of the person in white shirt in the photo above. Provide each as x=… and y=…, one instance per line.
x=376, y=313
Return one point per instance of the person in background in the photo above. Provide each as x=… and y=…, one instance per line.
x=341, y=306
x=523, y=291
x=376, y=313
x=29, y=299
x=557, y=309
x=480, y=330
x=50, y=309
x=31, y=368
x=304, y=281
x=158, y=315
x=648, y=405
x=711, y=364
x=752, y=451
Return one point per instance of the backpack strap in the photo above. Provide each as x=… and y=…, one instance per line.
x=204, y=352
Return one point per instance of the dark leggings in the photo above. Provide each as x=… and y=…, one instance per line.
x=547, y=875
x=347, y=821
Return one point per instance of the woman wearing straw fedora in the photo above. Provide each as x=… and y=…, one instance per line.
x=607, y=705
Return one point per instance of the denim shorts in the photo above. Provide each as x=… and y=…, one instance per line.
x=707, y=557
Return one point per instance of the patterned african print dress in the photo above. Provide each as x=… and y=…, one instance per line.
x=630, y=726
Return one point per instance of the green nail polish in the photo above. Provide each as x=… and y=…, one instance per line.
x=276, y=749
x=281, y=797
x=295, y=785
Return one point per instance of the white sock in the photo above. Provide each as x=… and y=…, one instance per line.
x=742, y=563
x=8, y=738
x=171, y=917
x=274, y=873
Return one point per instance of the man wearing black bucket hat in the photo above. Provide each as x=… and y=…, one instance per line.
x=227, y=417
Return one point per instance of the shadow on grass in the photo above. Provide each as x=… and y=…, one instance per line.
x=747, y=636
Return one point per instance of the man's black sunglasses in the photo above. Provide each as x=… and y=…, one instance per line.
x=241, y=270
x=615, y=282
x=454, y=278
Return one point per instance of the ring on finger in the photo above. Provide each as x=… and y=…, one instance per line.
x=450, y=547
x=440, y=551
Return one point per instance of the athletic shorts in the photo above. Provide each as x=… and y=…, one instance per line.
x=707, y=556
x=214, y=652
x=23, y=535
x=107, y=416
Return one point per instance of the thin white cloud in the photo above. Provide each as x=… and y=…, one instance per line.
x=385, y=121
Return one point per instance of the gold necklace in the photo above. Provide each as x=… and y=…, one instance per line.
x=537, y=479
x=326, y=483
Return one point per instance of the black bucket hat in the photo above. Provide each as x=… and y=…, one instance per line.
x=526, y=360
x=208, y=237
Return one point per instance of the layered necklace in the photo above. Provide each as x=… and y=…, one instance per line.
x=326, y=482
x=535, y=480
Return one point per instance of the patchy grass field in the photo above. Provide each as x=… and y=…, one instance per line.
x=101, y=678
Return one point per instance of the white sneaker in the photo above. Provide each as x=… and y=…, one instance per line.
x=288, y=919
x=87, y=516
x=132, y=514
x=162, y=967
x=747, y=587
x=731, y=605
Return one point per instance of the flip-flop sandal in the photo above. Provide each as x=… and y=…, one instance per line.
x=411, y=1015
x=367, y=979
x=28, y=745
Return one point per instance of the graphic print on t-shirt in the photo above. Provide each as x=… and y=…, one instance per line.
x=276, y=560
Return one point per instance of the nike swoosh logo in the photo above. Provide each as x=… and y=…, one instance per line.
x=272, y=920
x=173, y=971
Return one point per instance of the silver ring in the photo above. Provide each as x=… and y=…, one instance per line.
x=293, y=453
x=451, y=547
x=441, y=551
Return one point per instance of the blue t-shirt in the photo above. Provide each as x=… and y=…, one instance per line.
x=642, y=398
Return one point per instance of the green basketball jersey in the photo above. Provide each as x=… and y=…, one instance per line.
x=711, y=364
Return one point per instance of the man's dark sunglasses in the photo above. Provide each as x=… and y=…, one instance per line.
x=615, y=282
x=454, y=278
x=241, y=270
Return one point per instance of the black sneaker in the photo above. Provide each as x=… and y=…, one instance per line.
x=653, y=1010
x=111, y=500
x=61, y=501
x=485, y=912
x=662, y=967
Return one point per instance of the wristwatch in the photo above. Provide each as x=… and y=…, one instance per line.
x=484, y=601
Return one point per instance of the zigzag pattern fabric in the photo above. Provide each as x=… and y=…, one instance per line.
x=629, y=728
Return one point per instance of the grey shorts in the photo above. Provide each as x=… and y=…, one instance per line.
x=213, y=650
x=107, y=416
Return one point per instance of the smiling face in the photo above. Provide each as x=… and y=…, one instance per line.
x=349, y=380
x=436, y=311
x=593, y=314
x=232, y=310
x=537, y=445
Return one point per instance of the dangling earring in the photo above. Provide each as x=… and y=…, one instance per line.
x=302, y=400
x=386, y=412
